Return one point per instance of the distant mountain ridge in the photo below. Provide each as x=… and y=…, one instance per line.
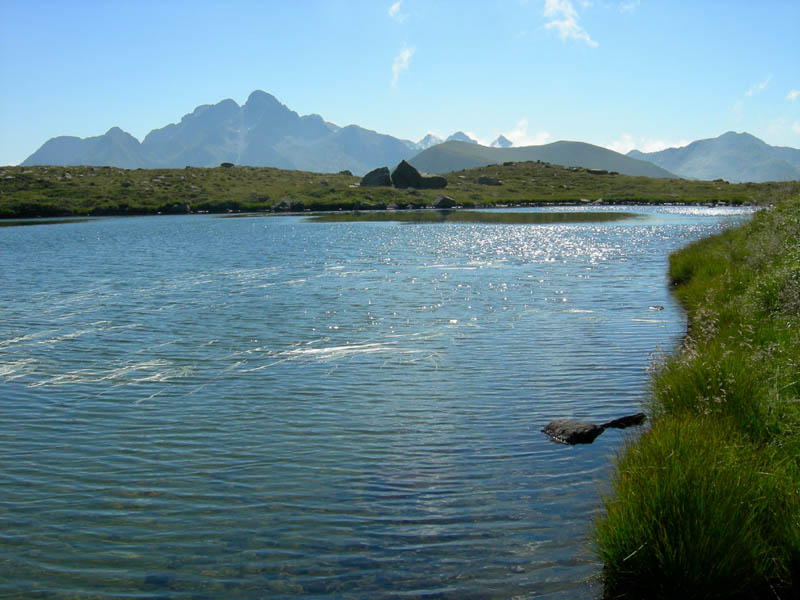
x=454, y=156
x=734, y=157
x=262, y=132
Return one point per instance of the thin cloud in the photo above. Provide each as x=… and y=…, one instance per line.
x=759, y=87
x=793, y=95
x=401, y=63
x=626, y=142
x=520, y=136
x=796, y=127
x=564, y=19
x=394, y=12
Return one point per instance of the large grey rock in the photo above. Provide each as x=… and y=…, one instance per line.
x=377, y=178
x=406, y=176
x=486, y=180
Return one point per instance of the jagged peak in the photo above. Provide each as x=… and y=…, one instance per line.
x=261, y=97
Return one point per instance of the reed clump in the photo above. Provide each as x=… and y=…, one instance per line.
x=707, y=503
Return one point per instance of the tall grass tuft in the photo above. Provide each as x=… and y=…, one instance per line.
x=707, y=503
x=697, y=515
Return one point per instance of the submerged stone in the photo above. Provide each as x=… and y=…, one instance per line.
x=624, y=422
x=567, y=431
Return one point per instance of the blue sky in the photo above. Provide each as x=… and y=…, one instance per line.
x=617, y=73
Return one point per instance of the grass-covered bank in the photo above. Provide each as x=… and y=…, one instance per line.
x=706, y=504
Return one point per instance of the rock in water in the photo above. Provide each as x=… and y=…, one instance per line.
x=377, y=178
x=628, y=421
x=567, y=431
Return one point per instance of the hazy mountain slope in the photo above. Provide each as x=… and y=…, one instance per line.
x=735, y=157
x=454, y=156
x=113, y=147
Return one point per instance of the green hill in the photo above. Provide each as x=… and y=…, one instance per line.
x=454, y=156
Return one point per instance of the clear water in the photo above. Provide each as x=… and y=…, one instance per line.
x=203, y=407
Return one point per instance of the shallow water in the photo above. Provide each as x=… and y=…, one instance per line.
x=267, y=407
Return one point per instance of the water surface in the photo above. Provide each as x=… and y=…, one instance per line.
x=198, y=407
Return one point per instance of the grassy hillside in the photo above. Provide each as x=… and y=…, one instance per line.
x=80, y=191
x=707, y=503
x=453, y=156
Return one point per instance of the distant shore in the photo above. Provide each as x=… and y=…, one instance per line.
x=79, y=191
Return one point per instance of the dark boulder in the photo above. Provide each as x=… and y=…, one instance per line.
x=406, y=176
x=433, y=182
x=444, y=202
x=485, y=180
x=377, y=178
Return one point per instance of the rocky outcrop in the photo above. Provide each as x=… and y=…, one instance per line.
x=569, y=431
x=377, y=178
x=485, y=180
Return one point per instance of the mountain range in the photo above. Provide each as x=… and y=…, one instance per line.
x=735, y=157
x=264, y=132
x=454, y=156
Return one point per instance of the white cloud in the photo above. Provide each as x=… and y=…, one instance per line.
x=793, y=95
x=738, y=108
x=394, y=12
x=565, y=21
x=626, y=142
x=759, y=87
x=401, y=62
x=796, y=127
x=629, y=6
x=520, y=136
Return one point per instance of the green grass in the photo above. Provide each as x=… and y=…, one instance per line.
x=707, y=503
x=96, y=191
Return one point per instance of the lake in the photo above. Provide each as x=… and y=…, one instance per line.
x=251, y=407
